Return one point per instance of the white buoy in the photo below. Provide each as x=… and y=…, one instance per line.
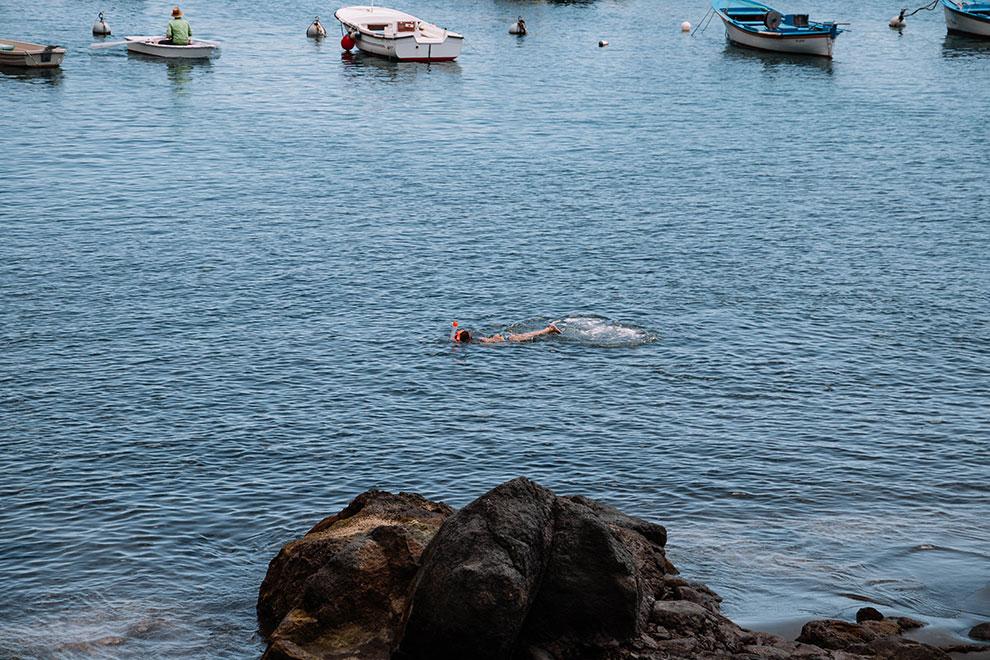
x=316, y=29
x=685, y=27
x=519, y=27
x=602, y=43
x=898, y=21
x=100, y=27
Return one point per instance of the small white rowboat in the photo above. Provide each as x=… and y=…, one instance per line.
x=197, y=49
x=397, y=35
x=26, y=54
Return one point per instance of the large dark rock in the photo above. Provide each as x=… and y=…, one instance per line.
x=481, y=574
x=518, y=574
x=868, y=614
x=341, y=590
x=981, y=631
x=591, y=590
x=872, y=639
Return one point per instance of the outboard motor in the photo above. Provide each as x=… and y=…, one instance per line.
x=100, y=27
x=316, y=29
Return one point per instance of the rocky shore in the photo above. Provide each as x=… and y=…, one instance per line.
x=522, y=574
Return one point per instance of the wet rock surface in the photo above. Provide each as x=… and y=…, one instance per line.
x=341, y=590
x=520, y=573
x=981, y=632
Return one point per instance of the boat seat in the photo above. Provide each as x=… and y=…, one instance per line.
x=747, y=15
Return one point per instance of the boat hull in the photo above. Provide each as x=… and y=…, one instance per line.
x=27, y=55
x=196, y=50
x=409, y=49
x=959, y=22
x=817, y=45
x=397, y=35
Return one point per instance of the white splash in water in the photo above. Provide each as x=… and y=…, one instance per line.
x=599, y=331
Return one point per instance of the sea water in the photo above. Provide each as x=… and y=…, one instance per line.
x=227, y=290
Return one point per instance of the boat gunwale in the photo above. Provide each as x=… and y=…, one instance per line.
x=953, y=7
x=155, y=41
x=398, y=35
x=814, y=30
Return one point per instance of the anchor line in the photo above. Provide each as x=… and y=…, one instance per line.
x=929, y=7
x=708, y=15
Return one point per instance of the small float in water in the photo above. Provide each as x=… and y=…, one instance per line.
x=396, y=35
x=755, y=25
x=24, y=54
x=197, y=49
x=967, y=18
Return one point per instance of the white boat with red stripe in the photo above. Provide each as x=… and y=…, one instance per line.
x=396, y=35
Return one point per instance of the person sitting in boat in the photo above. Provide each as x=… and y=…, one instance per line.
x=464, y=336
x=178, y=31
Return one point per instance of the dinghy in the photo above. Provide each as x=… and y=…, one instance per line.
x=24, y=54
x=755, y=25
x=396, y=35
x=968, y=18
x=157, y=47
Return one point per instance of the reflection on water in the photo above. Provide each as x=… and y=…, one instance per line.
x=777, y=61
x=958, y=45
x=41, y=76
x=359, y=64
x=180, y=74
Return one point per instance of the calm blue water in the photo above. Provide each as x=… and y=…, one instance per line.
x=227, y=288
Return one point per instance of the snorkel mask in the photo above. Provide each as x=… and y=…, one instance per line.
x=459, y=335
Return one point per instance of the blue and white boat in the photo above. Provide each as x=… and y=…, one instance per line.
x=755, y=25
x=969, y=18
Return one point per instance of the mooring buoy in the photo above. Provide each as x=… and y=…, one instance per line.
x=685, y=26
x=100, y=27
x=519, y=27
x=602, y=43
x=316, y=29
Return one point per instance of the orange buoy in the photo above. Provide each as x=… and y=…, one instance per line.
x=347, y=42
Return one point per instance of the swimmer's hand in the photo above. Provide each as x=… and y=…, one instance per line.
x=552, y=329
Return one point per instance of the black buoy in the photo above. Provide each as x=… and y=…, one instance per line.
x=100, y=27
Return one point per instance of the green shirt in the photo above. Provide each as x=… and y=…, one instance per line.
x=178, y=31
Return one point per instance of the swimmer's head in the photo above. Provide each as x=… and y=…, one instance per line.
x=462, y=336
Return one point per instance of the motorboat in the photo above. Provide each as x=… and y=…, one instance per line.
x=24, y=54
x=969, y=18
x=755, y=25
x=396, y=35
x=161, y=47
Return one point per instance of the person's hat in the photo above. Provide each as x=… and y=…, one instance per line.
x=176, y=12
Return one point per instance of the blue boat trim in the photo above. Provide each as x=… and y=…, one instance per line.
x=978, y=11
x=749, y=16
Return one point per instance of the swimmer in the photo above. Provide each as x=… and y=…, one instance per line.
x=464, y=336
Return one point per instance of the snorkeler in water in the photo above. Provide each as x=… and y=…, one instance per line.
x=464, y=336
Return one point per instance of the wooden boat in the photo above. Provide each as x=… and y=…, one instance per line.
x=397, y=35
x=155, y=46
x=24, y=54
x=968, y=18
x=755, y=25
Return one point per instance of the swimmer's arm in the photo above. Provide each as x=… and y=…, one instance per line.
x=494, y=339
x=530, y=336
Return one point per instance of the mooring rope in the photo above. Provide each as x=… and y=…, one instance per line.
x=929, y=7
x=709, y=15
